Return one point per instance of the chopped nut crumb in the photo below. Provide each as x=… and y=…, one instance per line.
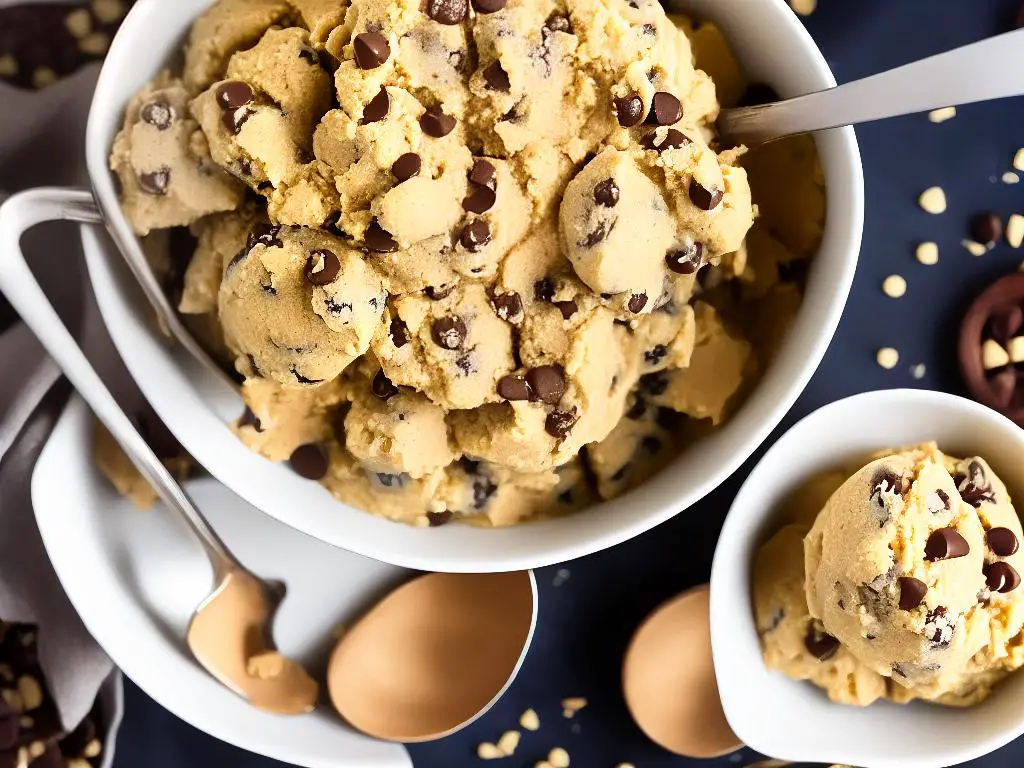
x=918, y=371
x=488, y=751
x=508, y=742
x=804, y=7
x=42, y=77
x=1015, y=230
x=933, y=200
x=78, y=23
x=558, y=758
x=927, y=253
x=1010, y=178
x=529, y=720
x=8, y=66
x=973, y=248
x=942, y=115
x=265, y=666
x=894, y=286
x=108, y=11
x=92, y=749
x=993, y=355
x=887, y=357
x=31, y=692
x=1018, y=160
x=95, y=44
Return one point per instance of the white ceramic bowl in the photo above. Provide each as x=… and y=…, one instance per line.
x=794, y=720
x=773, y=46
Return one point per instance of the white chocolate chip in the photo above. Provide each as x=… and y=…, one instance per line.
x=108, y=11
x=508, y=742
x=942, y=115
x=92, y=749
x=804, y=7
x=558, y=758
x=1010, y=178
x=973, y=248
x=933, y=200
x=529, y=720
x=894, y=286
x=488, y=751
x=918, y=371
x=31, y=692
x=887, y=357
x=927, y=253
x=95, y=44
x=8, y=66
x=78, y=23
x=42, y=77
x=1015, y=230
x=993, y=355
x=1018, y=159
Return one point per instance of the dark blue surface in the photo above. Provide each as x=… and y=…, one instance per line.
x=586, y=621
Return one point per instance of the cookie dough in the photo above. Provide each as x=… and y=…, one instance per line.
x=471, y=262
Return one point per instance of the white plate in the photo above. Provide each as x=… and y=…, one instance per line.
x=136, y=576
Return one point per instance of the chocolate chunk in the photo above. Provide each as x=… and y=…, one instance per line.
x=567, y=308
x=371, y=50
x=973, y=486
x=1000, y=576
x=559, y=423
x=986, y=228
x=937, y=501
x=912, y=592
x=483, y=173
x=637, y=302
x=155, y=182
x=376, y=239
x=819, y=644
x=322, y=267
x=513, y=388
x=436, y=519
x=449, y=332
x=264, y=234
x=497, y=78
x=234, y=94
x=382, y=386
x=687, y=259
x=406, y=166
x=547, y=383
x=945, y=544
x=660, y=140
x=377, y=108
x=436, y=123
x=475, y=235
x=606, y=193
x=704, y=198
x=479, y=199
x=655, y=354
x=508, y=306
x=157, y=113
x=629, y=110
x=399, y=332
x=489, y=6
x=939, y=626
x=447, y=11
x=309, y=461
x=1002, y=541
x=665, y=109
x=544, y=289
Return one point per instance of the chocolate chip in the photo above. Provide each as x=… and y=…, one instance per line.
x=704, y=198
x=436, y=293
x=479, y=199
x=377, y=108
x=371, y=50
x=937, y=501
x=986, y=228
x=449, y=332
x=234, y=94
x=1002, y=541
x=670, y=138
x=598, y=234
x=436, y=123
x=637, y=302
x=406, y=166
x=475, y=235
x=158, y=113
x=1000, y=576
x=547, y=383
x=264, y=234
x=606, y=193
x=508, y=306
x=687, y=259
x=629, y=110
x=665, y=109
x=497, y=78
x=483, y=173
x=945, y=544
x=377, y=239
x=558, y=424
x=155, y=182
x=819, y=644
x=322, y=267
x=489, y=6
x=544, y=289
x=447, y=11
x=309, y=461
x=912, y=592
x=973, y=486
x=655, y=354
x=567, y=308
x=436, y=519
x=513, y=388
x=382, y=387
x=399, y=332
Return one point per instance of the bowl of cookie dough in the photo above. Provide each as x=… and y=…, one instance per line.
x=496, y=295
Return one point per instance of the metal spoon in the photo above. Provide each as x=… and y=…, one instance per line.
x=990, y=69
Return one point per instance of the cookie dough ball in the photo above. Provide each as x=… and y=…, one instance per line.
x=219, y=238
x=396, y=431
x=894, y=568
x=163, y=164
x=279, y=419
x=453, y=348
x=286, y=313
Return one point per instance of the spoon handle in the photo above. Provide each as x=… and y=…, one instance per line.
x=19, y=213
x=989, y=69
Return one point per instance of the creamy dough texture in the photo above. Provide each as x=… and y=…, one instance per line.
x=479, y=260
x=906, y=585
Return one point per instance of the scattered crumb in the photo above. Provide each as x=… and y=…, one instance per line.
x=108, y=11
x=508, y=742
x=1015, y=230
x=558, y=758
x=804, y=7
x=78, y=23
x=488, y=751
x=918, y=371
x=993, y=355
x=973, y=248
x=942, y=115
x=1018, y=159
x=43, y=76
x=1016, y=349
x=561, y=576
x=887, y=357
x=933, y=200
x=573, y=705
x=1010, y=178
x=529, y=720
x=95, y=44
x=8, y=66
x=894, y=286
x=927, y=253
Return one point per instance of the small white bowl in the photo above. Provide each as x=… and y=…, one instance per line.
x=793, y=720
